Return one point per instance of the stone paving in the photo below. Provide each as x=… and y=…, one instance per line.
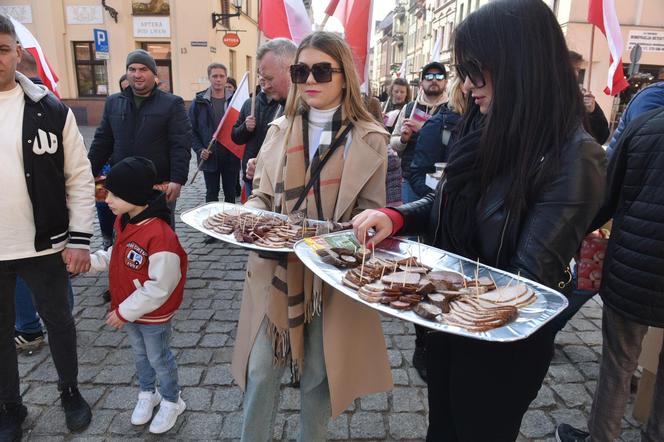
x=204, y=333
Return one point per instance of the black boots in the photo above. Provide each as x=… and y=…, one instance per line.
x=11, y=419
x=77, y=410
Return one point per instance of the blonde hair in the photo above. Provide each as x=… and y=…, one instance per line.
x=333, y=45
x=457, y=101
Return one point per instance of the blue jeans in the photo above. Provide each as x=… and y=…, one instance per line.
x=154, y=358
x=27, y=319
x=408, y=195
x=261, y=396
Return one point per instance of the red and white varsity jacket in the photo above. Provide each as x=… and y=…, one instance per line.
x=147, y=269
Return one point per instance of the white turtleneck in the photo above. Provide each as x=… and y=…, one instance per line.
x=317, y=121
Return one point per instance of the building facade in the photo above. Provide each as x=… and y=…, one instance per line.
x=422, y=22
x=178, y=33
x=641, y=21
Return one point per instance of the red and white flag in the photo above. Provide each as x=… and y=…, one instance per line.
x=30, y=44
x=223, y=132
x=602, y=13
x=284, y=18
x=355, y=16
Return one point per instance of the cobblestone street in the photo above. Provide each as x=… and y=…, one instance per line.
x=203, y=338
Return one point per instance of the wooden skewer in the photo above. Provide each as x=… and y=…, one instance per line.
x=394, y=271
x=463, y=272
x=477, y=279
x=493, y=280
x=364, y=241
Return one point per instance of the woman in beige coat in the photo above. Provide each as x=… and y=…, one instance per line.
x=290, y=318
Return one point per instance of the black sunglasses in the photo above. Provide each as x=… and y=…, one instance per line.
x=322, y=72
x=437, y=76
x=472, y=70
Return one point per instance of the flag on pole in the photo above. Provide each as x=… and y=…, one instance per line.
x=355, y=16
x=435, y=52
x=402, y=69
x=30, y=44
x=284, y=18
x=223, y=132
x=602, y=13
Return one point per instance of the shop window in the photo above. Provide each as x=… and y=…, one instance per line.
x=161, y=52
x=232, y=62
x=91, y=76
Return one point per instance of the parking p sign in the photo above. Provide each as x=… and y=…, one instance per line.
x=101, y=44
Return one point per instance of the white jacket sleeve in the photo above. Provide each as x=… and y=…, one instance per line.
x=164, y=273
x=99, y=260
x=395, y=139
x=79, y=186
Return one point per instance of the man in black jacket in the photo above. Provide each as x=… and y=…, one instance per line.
x=145, y=121
x=274, y=60
x=205, y=113
x=598, y=126
x=46, y=221
x=633, y=278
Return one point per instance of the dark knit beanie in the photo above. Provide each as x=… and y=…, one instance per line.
x=132, y=179
x=143, y=57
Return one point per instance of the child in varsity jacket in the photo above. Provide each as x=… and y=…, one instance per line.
x=147, y=271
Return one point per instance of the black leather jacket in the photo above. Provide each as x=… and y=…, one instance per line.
x=548, y=234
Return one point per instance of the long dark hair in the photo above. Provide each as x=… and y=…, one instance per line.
x=536, y=104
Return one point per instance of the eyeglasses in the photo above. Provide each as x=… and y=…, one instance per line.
x=322, y=72
x=471, y=69
x=431, y=77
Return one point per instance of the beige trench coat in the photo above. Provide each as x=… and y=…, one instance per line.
x=353, y=343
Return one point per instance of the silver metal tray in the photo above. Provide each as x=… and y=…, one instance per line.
x=195, y=217
x=549, y=303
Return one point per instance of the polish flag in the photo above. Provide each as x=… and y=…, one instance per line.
x=435, y=52
x=223, y=132
x=30, y=44
x=402, y=69
x=284, y=18
x=602, y=13
x=355, y=16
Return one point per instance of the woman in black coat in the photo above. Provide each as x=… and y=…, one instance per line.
x=522, y=185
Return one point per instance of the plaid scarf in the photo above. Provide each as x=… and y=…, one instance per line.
x=296, y=295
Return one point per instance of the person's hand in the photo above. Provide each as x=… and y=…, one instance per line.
x=113, y=320
x=205, y=154
x=76, y=260
x=407, y=130
x=589, y=102
x=173, y=191
x=372, y=219
x=250, y=123
x=251, y=169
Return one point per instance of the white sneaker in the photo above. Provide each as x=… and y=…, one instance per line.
x=144, y=407
x=167, y=416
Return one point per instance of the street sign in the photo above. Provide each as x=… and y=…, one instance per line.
x=101, y=44
x=634, y=57
x=635, y=54
x=231, y=39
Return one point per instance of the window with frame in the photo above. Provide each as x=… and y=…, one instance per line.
x=91, y=75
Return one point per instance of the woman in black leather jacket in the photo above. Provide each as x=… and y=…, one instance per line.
x=522, y=185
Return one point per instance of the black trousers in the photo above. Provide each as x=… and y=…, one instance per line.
x=228, y=172
x=46, y=277
x=479, y=390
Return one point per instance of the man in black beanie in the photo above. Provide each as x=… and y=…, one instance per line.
x=145, y=121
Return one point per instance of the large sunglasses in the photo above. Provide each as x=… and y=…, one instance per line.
x=473, y=70
x=322, y=72
x=437, y=76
